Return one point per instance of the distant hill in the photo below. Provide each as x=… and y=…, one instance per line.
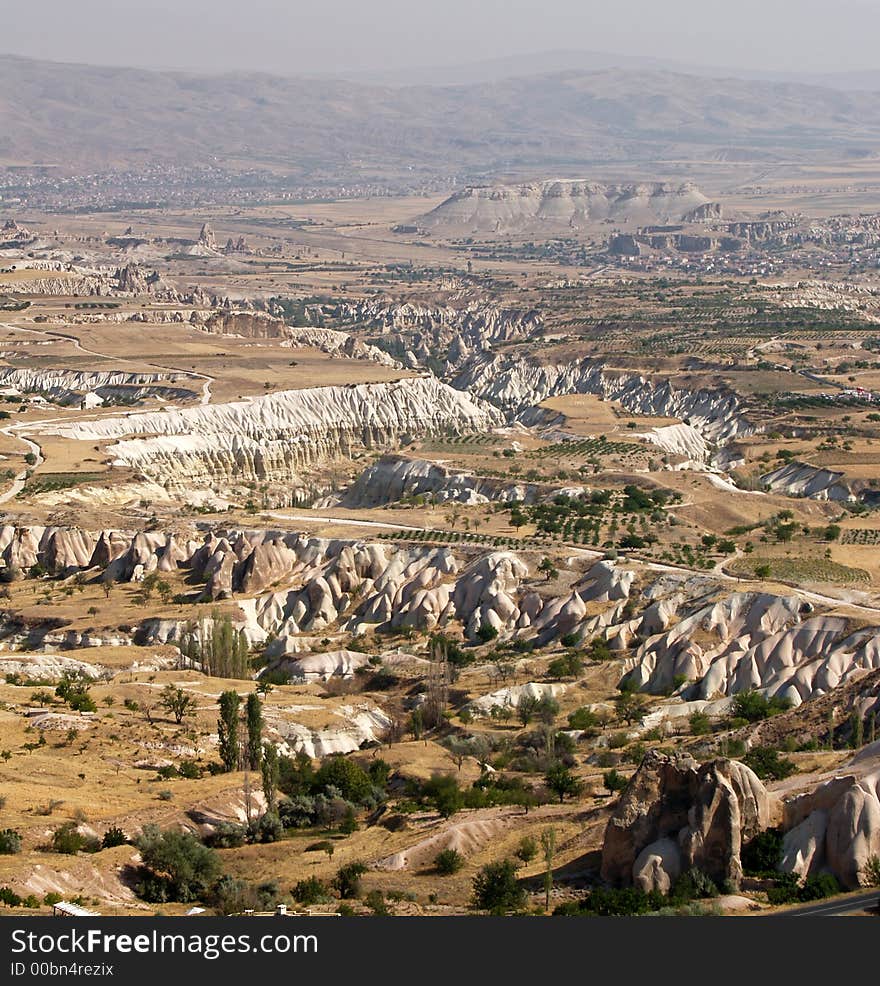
x=83, y=118
x=562, y=206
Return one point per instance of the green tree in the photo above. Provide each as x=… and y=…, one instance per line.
x=496, y=888
x=177, y=703
x=348, y=777
x=174, y=865
x=548, y=847
x=614, y=781
x=448, y=861
x=561, y=781
x=254, y=720
x=348, y=880
x=270, y=774
x=227, y=729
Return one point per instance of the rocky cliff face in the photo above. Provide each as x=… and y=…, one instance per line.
x=676, y=815
x=753, y=640
x=273, y=437
x=515, y=385
x=289, y=584
x=70, y=387
x=414, y=333
x=836, y=827
x=802, y=479
x=395, y=478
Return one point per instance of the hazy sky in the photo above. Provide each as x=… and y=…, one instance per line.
x=340, y=36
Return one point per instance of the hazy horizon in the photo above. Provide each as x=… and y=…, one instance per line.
x=345, y=37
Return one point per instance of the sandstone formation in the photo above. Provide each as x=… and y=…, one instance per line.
x=517, y=384
x=676, y=815
x=394, y=477
x=836, y=827
x=275, y=436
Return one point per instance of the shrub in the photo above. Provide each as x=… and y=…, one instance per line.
x=614, y=781
x=693, y=885
x=348, y=880
x=527, y=849
x=175, y=865
x=9, y=897
x=487, y=632
x=614, y=903
x=752, y=706
x=67, y=840
x=819, y=887
x=113, y=837
x=768, y=764
x=583, y=718
x=375, y=900
x=871, y=872
x=496, y=888
x=762, y=854
x=227, y=835
x=310, y=891
x=10, y=842
x=448, y=861
x=700, y=724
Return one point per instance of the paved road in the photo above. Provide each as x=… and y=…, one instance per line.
x=852, y=904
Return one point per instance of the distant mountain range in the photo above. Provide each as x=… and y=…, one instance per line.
x=82, y=118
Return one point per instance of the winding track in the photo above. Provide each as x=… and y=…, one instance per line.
x=12, y=431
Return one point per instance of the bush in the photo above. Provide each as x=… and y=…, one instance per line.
x=175, y=865
x=583, y=718
x=527, y=849
x=9, y=897
x=768, y=764
x=113, y=837
x=487, y=632
x=871, y=873
x=375, y=900
x=351, y=781
x=268, y=828
x=752, y=706
x=762, y=854
x=227, y=835
x=67, y=840
x=496, y=888
x=348, y=880
x=614, y=903
x=10, y=842
x=693, y=885
x=310, y=891
x=448, y=861
x=700, y=724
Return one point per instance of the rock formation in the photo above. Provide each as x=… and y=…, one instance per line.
x=275, y=436
x=517, y=384
x=560, y=206
x=676, y=815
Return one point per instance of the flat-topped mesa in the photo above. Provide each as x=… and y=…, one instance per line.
x=515, y=385
x=566, y=205
x=273, y=437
